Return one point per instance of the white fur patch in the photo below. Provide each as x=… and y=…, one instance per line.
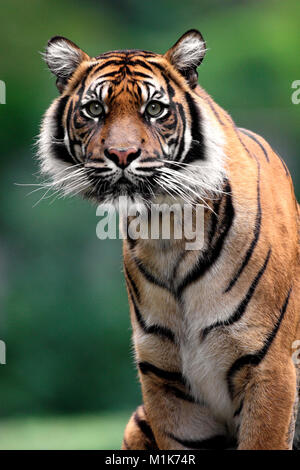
x=62, y=58
x=65, y=177
x=210, y=172
x=50, y=165
x=188, y=53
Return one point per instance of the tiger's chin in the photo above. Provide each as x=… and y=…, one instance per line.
x=123, y=191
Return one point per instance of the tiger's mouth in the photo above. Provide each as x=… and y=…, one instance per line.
x=135, y=188
x=124, y=181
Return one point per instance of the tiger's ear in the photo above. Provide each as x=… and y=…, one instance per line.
x=63, y=57
x=187, y=54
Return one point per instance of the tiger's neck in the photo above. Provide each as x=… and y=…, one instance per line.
x=167, y=258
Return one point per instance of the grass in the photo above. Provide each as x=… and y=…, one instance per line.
x=101, y=431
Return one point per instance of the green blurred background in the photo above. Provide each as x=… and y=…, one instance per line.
x=70, y=381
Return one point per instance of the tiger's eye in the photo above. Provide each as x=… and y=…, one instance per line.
x=94, y=108
x=154, y=109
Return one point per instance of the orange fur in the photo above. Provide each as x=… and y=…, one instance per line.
x=213, y=329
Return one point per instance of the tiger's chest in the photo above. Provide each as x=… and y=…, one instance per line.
x=207, y=357
x=204, y=367
x=203, y=362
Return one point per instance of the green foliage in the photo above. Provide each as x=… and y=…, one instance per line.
x=83, y=432
x=64, y=311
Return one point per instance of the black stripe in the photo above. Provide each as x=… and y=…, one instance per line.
x=149, y=159
x=132, y=284
x=139, y=74
x=195, y=118
x=81, y=83
x=109, y=55
x=210, y=257
x=214, y=219
x=216, y=442
x=158, y=65
x=160, y=138
x=81, y=80
x=126, y=445
x=211, y=103
x=110, y=74
x=253, y=244
x=237, y=131
x=144, y=54
x=131, y=241
x=183, y=120
x=145, y=428
x=59, y=149
x=180, y=394
x=255, y=358
x=165, y=73
x=236, y=316
x=107, y=63
x=152, y=329
x=196, y=151
x=171, y=91
x=59, y=131
x=126, y=53
x=146, y=168
x=146, y=367
x=173, y=140
x=249, y=134
x=141, y=63
x=144, y=82
x=239, y=409
x=101, y=169
x=164, y=119
x=150, y=278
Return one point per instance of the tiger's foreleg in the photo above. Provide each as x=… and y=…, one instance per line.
x=138, y=433
x=178, y=421
x=268, y=413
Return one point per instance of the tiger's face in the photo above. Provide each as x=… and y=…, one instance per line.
x=126, y=123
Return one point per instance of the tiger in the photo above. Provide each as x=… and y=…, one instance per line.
x=214, y=329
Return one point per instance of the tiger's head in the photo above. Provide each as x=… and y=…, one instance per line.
x=129, y=122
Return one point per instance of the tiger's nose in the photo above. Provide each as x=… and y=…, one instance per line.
x=122, y=157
